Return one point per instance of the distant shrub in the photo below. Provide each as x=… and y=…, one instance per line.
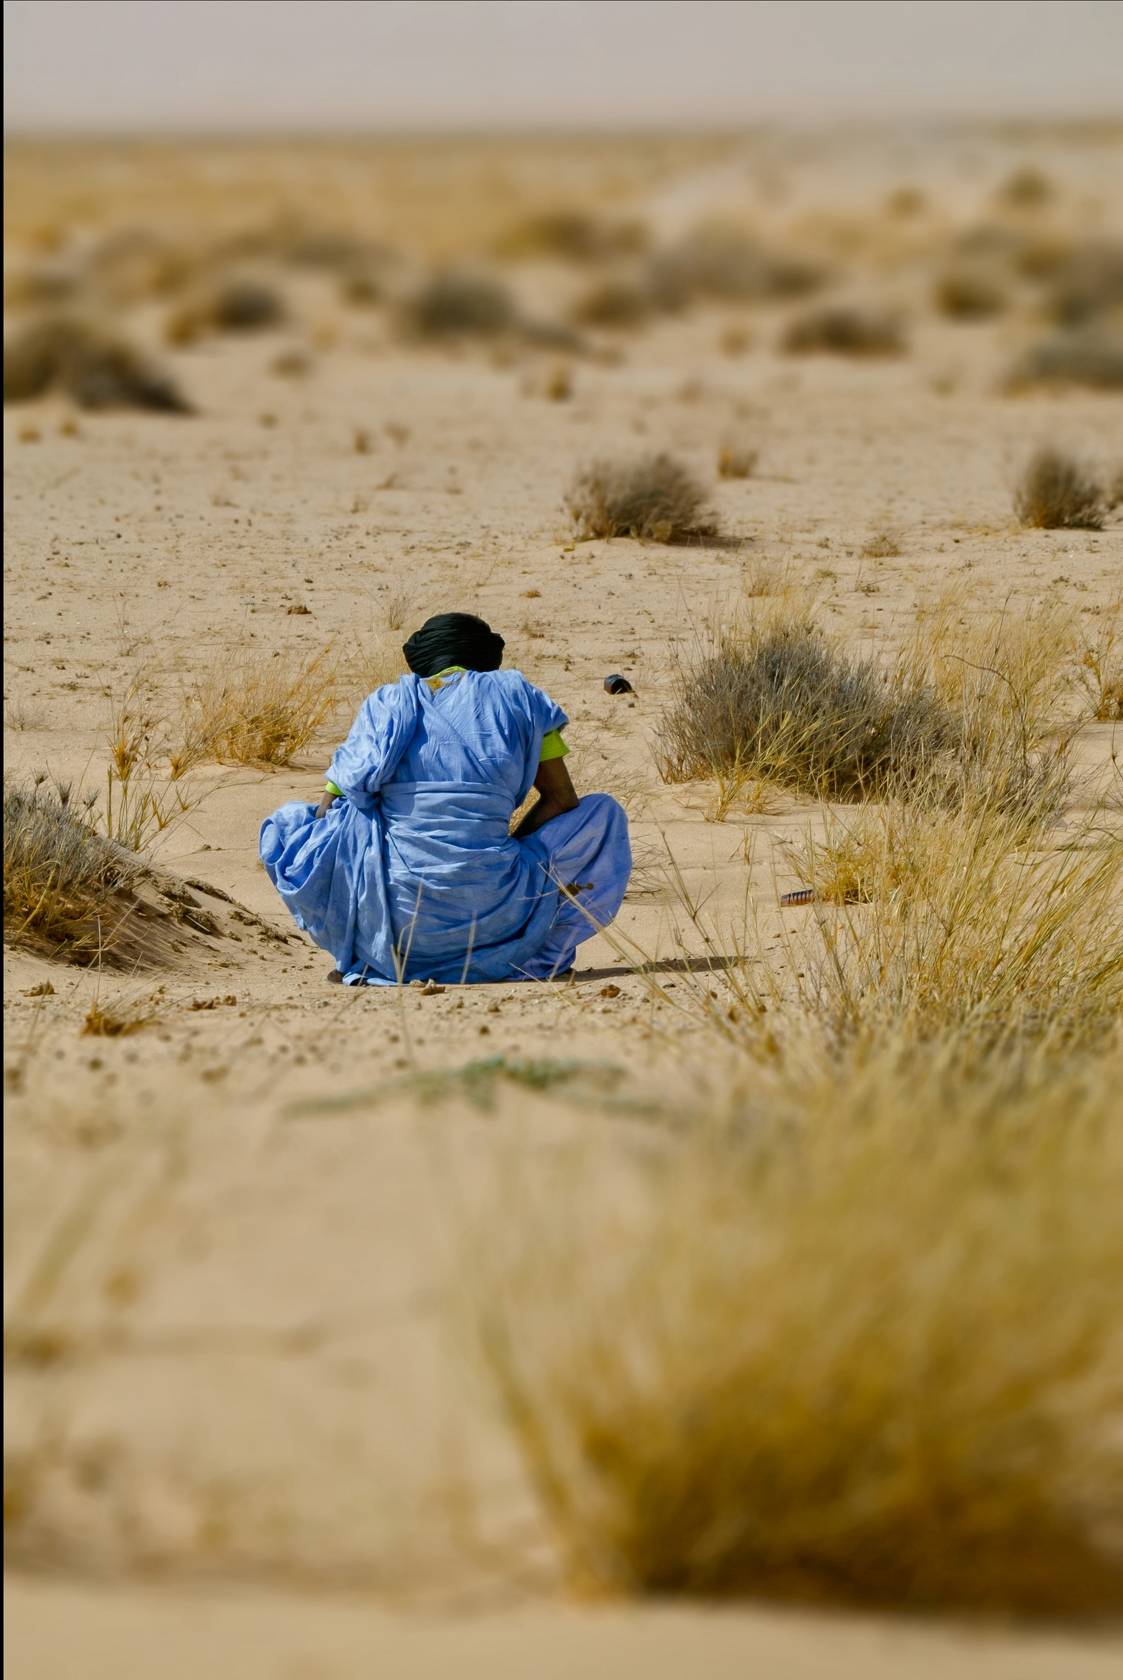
x=93, y=366
x=1056, y=493
x=572, y=235
x=1090, y=356
x=969, y=294
x=232, y=306
x=736, y=461
x=840, y=330
x=615, y=302
x=1088, y=283
x=1026, y=189
x=453, y=305
x=721, y=262
x=655, y=498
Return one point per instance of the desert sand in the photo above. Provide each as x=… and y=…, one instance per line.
x=245, y=1432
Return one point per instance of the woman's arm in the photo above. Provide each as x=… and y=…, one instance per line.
x=556, y=794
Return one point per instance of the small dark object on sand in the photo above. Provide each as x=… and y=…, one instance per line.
x=616, y=684
x=805, y=895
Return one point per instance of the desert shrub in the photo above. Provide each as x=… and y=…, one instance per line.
x=455, y=305
x=779, y=702
x=1056, y=493
x=1088, y=283
x=67, y=890
x=717, y=261
x=654, y=497
x=737, y=461
x=255, y=710
x=840, y=330
x=235, y=305
x=572, y=235
x=1090, y=356
x=1026, y=189
x=1099, y=663
x=614, y=302
x=850, y=1339
x=969, y=294
x=883, y=543
x=96, y=368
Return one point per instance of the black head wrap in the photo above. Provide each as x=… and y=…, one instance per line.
x=453, y=639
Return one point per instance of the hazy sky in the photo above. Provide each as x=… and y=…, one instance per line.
x=323, y=64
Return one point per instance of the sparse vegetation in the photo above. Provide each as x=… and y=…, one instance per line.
x=1091, y=356
x=94, y=367
x=778, y=702
x=614, y=302
x=819, y=1347
x=654, y=497
x=69, y=892
x=1026, y=189
x=255, y=710
x=737, y=461
x=840, y=330
x=1056, y=493
x=236, y=305
x=969, y=294
x=721, y=262
x=454, y=305
x=572, y=235
x=1087, y=284
x=883, y=543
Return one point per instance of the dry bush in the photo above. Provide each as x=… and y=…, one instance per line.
x=236, y=305
x=614, y=302
x=906, y=201
x=572, y=235
x=721, y=262
x=93, y=366
x=1099, y=664
x=850, y=1338
x=778, y=702
x=255, y=710
x=969, y=294
x=654, y=497
x=1089, y=356
x=1056, y=493
x=1026, y=189
x=453, y=305
x=737, y=461
x=1088, y=283
x=69, y=892
x=840, y=330
x=883, y=543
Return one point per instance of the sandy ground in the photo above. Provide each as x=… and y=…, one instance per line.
x=243, y=1430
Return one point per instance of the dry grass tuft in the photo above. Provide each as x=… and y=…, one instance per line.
x=453, y=305
x=969, y=294
x=68, y=891
x=1088, y=283
x=1056, y=493
x=93, y=366
x=255, y=710
x=572, y=235
x=839, y=330
x=109, y=1023
x=655, y=498
x=737, y=461
x=1088, y=356
x=721, y=262
x=1026, y=189
x=236, y=305
x=1099, y=664
x=851, y=1339
x=883, y=543
x=615, y=301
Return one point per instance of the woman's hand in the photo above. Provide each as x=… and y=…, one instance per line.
x=325, y=805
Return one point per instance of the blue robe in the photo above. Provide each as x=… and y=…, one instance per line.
x=412, y=874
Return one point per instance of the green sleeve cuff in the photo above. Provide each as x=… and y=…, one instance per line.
x=336, y=793
x=552, y=747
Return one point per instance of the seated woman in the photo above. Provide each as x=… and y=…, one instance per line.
x=408, y=870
